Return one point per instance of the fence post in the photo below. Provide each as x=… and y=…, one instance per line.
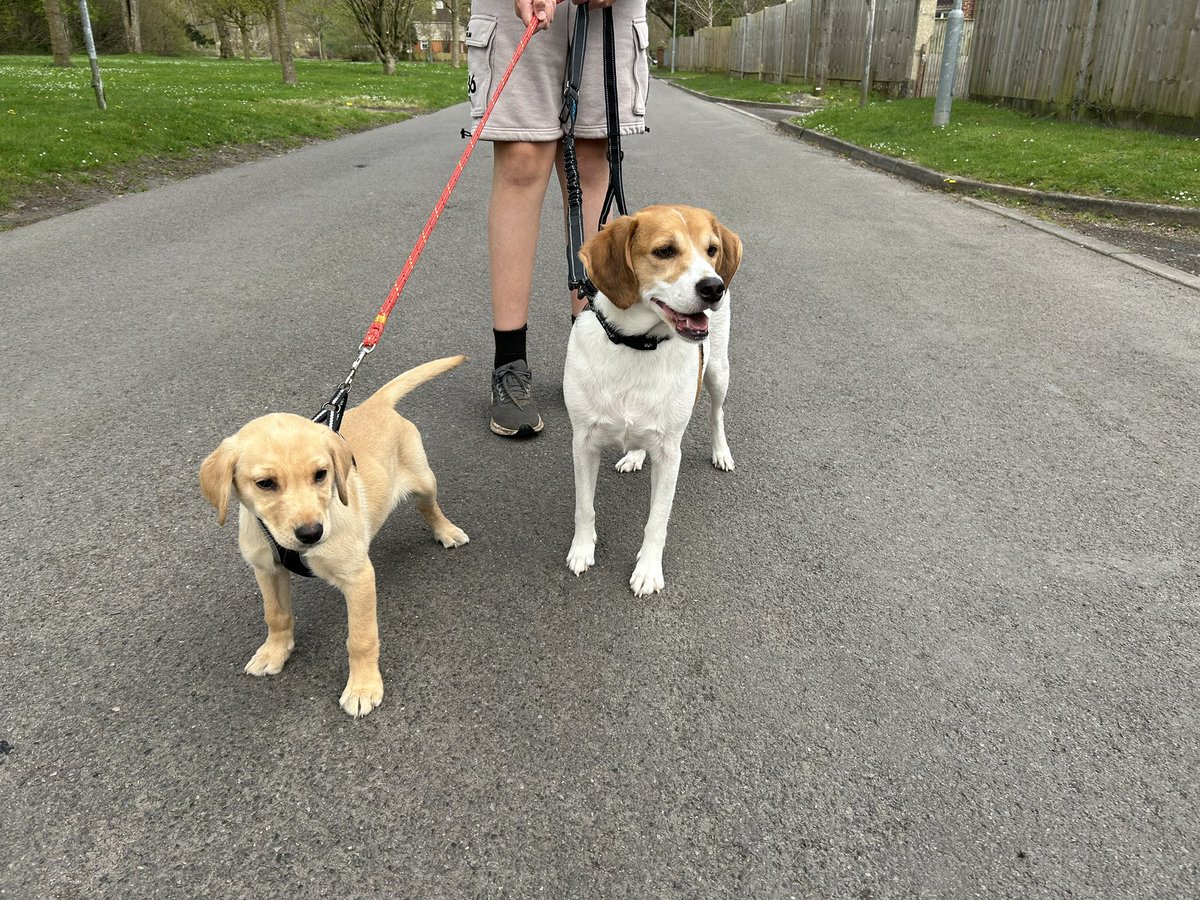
x=1085, y=62
x=945, y=94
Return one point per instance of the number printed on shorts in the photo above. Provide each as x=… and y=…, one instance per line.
x=471, y=84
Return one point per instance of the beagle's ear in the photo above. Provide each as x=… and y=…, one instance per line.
x=216, y=477
x=608, y=258
x=731, y=253
x=343, y=461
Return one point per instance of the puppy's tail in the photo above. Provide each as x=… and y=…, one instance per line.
x=391, y=393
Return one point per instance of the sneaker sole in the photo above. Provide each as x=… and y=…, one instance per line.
x=523, y=431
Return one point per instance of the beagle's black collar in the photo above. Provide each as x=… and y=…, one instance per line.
x=636, y=341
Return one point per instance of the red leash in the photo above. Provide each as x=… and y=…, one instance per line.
x=331, y=412
x=376, y=329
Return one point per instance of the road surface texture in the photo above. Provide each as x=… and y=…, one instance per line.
x=936, y=636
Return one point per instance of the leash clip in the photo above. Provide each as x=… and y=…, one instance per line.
x=331, y=413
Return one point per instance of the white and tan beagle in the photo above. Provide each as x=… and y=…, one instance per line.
x=658, y=329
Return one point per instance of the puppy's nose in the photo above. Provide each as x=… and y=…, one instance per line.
x=710, y=290
x=309, y=534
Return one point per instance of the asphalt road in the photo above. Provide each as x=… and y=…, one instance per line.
x=936, y=636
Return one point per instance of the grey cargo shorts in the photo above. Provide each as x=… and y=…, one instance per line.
x=529, y=107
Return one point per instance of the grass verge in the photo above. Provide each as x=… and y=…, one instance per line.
x=51, y=132
x=1003, y=146
x=749, y=88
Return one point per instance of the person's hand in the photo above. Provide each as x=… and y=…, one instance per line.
x=542, y=10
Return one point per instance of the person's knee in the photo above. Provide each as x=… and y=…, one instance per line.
x=522, y=164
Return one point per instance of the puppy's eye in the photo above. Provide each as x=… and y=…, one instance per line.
x=712, y=251
x=665, y=252
x=265, y=484
x=320, y=474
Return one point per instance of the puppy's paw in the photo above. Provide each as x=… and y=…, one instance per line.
x=452, y=537
x=722, y=458
x=631, y=461
x=582, y=555
x=362, y=696
x=647, y=578
x=269, y=658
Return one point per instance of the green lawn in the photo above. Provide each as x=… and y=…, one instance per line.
x=52, y=132
x=999, y=145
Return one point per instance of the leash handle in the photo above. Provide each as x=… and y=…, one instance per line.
x=376, y=330
x=577, y=279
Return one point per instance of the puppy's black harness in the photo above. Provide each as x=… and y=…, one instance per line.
x=292, y=560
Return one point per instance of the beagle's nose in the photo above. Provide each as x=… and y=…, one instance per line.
x=309, y=534
x=710, y=289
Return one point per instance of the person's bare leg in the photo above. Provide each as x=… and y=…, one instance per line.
x=593, y=179
x=521, y=172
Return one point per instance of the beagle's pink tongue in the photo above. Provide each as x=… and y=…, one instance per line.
x=697, y=323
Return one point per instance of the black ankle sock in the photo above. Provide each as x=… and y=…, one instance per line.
x=510, y=345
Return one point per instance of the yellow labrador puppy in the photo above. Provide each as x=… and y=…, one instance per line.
x=311, y=499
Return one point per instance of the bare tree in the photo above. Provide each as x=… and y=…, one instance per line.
x=316, y=17
x=60, y=37
x=386, y=25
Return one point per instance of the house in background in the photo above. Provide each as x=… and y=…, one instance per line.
x=944, y=7
x=433, y=27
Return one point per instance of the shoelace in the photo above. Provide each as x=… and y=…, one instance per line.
x=513, y=386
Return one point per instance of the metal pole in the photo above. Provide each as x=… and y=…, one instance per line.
x=97, y=84
x=866, y=79
x=674, y=28
x=945, y=93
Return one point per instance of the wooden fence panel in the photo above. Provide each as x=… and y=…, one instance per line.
x=1144, y=58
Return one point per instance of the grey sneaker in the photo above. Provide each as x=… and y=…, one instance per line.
x=513, y=412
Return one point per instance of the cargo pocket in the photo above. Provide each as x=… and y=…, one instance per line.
x=480, y=31
x=641, y=66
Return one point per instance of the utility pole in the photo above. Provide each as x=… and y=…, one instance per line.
x=870, y=39
x=945, y=94
x=97, y=84
x=674, y=29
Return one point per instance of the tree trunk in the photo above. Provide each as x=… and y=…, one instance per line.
x=60, y=38
x=287, y=56
x=824, y=46
x=244, y=32
x=389, y=64
x=272, y=36
x=132, y=20
x=224, y=39
x=455, y=56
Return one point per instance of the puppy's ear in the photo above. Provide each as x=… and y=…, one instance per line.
x=216, y=477
x=343, y=460
x=731, y=254
x=608, y=259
